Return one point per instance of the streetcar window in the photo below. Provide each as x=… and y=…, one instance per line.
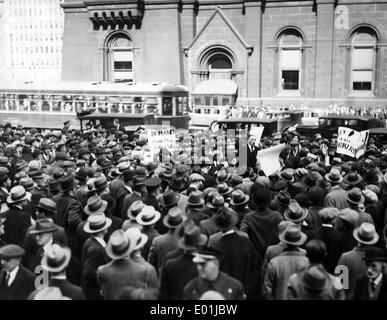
x=225, y=101
x=207, y=101
x=197, y=100
x=215, y=101
x=167, y=106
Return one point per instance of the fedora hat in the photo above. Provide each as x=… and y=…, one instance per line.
x=235, y=180
x=226, y=218
x=334, y=176
x=366, y=234
x=66, y=183
x=136, y=238
x=238, y=198
x=59, y=155
x=223, y=189
x=135, y=208
x=138, y=180
x=174, y=218
x=314, y=278
x=222, y=176
x=100, y=183
x=27, y=183
x=17, y=194
x=20, y=164
x=353, y=179
x=118, y=246
x=192, y=238
x=81, y=174
x=153, y=182
x=43, y=226
x=217, y=202
x=148, y=216
x=56, y=258
x=35, y=174
x=47, y=205
x=170, y=198
x=283, y=198
x=355, y=196
x=95, y=204
x=292, y=235
x=374, y=254
x=295, y=213
x=195, y=199
x=97, y=222
x=287, y=176
x=166, y=175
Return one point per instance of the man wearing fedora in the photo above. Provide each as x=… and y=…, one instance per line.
x=209, y=226
x=373, y=285
x=337, y=196
x=69, y=213
x=93, y=253
x=239, y=203
x=18, y=221
x=210, y=277
x=353, y=260
x=355, y=198
x=56, y=261
x=118, y=274
x=167, y=242
x=314, y=282
x=179, y=270
x=5, y=183
x=137, y=194
x=281, y=267
x=16, y=282
x=147, y=219
x=194, y=208
x=239, y=257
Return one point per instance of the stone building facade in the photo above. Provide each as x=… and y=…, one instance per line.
x=278, y=52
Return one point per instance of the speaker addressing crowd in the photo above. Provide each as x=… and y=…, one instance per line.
x=97, y=215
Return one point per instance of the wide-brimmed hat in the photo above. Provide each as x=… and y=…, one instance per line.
x=20, y=164
x=118, y=246
x=310, y=179
x=295, y=213
x=366, y=234
x=224, y=189
x=95, y=204
x=174, y=218
x=97, y=222
x=43, y=226
x=375, y=254
x=148, y=216
x=136, y=238
x=47, y=205
x=287, y=176
x=222, y=176
x=238, y=198
x=17, y=194
x=152, y=182
x=226, y=218
x=355, y=196
x=56, y=258
x=81, y=174
x=166, y=175
x=194, y=177
x=314, y=278
x=283, y=198
x=195, y=199
x=353, y=179
x=100, y=183
x=170, y=198
x=192, y=238
x=66, y=183
x=138, y=180
x=293, y=235
x=334, y=176
x=27, y=183
x=135, y=208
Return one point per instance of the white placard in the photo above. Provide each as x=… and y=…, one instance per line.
x=351, y=142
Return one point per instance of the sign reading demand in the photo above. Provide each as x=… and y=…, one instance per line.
x=351, y=142
x=163, y=138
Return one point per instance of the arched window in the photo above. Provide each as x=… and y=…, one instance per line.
x=363, y=46
x=219, y=61
x=120, y=58
x=290, y=60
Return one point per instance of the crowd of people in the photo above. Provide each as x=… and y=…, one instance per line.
x=88, y=215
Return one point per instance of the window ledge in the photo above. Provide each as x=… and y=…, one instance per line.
x=361, y=94
x=289, y=93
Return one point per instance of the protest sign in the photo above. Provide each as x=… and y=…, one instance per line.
x=163, y=138
x=351, y=142
x=269, y=159
x=257, y=133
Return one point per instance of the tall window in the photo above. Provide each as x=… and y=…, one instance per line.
x=290, y=61
x=363, y=45
x=120, y=59
x=219, y=62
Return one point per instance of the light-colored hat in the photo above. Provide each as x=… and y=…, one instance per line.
x=293, y=236
x=50, y=293
x=95, y=204
x=295, y=213
x=56, y=258
x=17, y=194
x=118, y=246
x=366, y=234
x=97, y=222
x=136, y=238
x=148, y=216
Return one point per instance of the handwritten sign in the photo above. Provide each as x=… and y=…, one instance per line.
x=269, y=159
x=351, y=142
x=163, y=138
